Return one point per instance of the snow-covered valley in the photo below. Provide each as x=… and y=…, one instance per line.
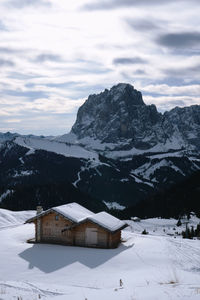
x=160, y=265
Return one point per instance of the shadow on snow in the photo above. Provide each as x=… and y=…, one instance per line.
x=49, y=258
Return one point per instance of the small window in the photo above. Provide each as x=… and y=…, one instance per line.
x=56, y=218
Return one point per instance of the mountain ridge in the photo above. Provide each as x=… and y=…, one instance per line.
x=119, y=120
x=119, y=116
x=105, y=165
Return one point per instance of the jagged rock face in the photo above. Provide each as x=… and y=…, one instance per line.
x=185, y=123
x=116, y=114
x=120, y=115
x=8, y=136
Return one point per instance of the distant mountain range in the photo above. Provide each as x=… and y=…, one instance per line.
x=119, y=152
x=119, y=119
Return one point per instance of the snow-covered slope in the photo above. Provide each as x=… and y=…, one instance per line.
x=144, y=267
x=162, y=227
x=69, y=150
x=12, y=218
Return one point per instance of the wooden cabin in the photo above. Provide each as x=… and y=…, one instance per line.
x=74, y=225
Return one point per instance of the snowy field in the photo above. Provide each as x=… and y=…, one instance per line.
x=153, y=266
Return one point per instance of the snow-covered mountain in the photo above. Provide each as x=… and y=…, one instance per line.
x=119, y=150
x=5, y=137
x=120, y=117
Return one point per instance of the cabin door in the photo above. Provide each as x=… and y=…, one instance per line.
x=91, y=236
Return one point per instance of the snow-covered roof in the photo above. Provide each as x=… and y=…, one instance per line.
x=73, y=211
x=107, y=221
x=79, y=214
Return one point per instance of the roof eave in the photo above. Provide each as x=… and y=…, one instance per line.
x=38, y=216
x=46, y=213
x=120, y=228
x=104, y=227
x=75, y=222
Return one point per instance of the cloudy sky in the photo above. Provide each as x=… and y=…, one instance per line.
x=53, y=54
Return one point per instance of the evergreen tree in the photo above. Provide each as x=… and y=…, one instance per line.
x=179, y=223
x=192, y=232
x=197, y=231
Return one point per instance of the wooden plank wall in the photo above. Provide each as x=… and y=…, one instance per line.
x=51, y=232
x=115, y=239
x=102, y=235
x=52, y=229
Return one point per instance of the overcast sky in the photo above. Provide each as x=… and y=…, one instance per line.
x=53, y=54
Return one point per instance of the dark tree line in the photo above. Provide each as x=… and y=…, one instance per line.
x=180, y=199
x=192, y=232
x=27, y=197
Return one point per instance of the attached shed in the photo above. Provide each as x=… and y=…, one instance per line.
x=73, y=224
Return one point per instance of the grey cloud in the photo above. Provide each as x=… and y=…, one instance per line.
x=85, y=69
x=114, y=4
x=31, y=95
x=140, y=72
x=174, y=81
x=134, y=76
x=128, y=60
x=185, y=51
x=179, y=40
x=64, y=85
x=47, y=57
x=89, y=63
x=182, y=71
x=89, y=70
x=8, y=50
x=6, y=63
x=22, y=76
x=85, y=90
x=3, y=27
x=142, y=24
x=177, y=102
x=27, y=3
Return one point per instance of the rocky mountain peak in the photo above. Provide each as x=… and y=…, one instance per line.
x=126, y=92
x=8, y=136
x=110, y=115
x=119, y=116
x=122, y=92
